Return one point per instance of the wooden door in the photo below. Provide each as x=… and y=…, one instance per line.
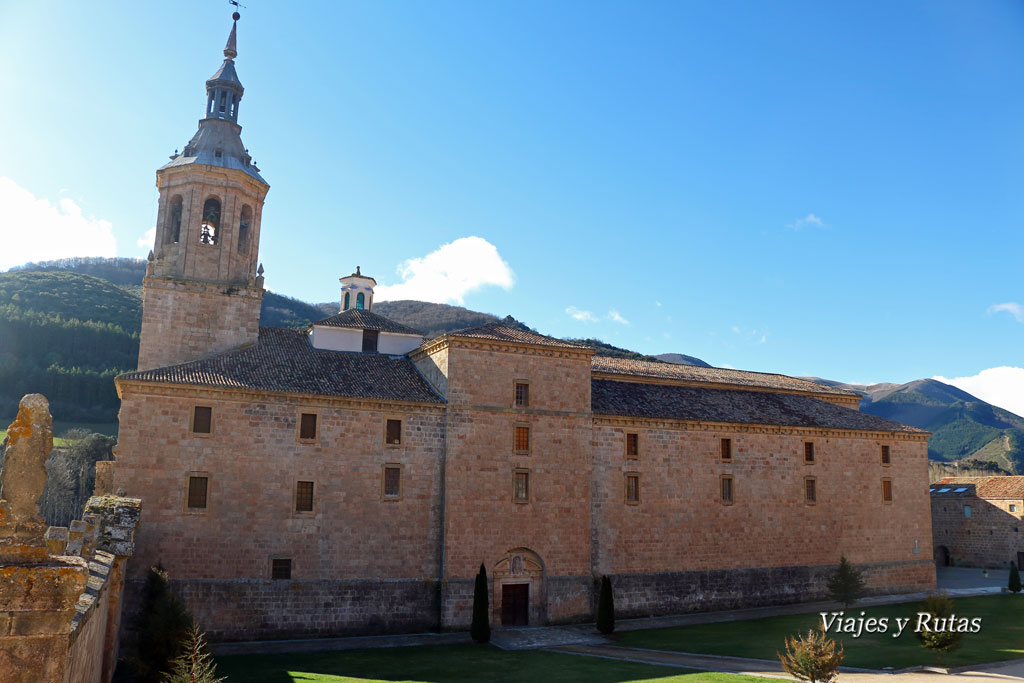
x=515, y=604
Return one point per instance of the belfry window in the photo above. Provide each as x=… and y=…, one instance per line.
x=173, y=230
x=360, y=301
x=243, y=229
x=210, y=226
x=344, y=306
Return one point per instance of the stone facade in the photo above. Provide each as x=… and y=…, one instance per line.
x=977, y=521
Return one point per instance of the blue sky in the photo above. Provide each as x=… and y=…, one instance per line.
x=830, y=189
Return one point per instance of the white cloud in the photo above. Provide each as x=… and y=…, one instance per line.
x=614, y=316
x=1014, y=309
x=145, y=242
x=658, y=304
x=36, y=229
x=582, y=316
x=1002, y=386
x=810, y=220
x=451, y=272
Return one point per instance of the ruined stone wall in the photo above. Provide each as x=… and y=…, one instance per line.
x=681, y=548
x=991, y=537
x=354, y=538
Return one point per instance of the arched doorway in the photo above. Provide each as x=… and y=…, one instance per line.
x=941, y=556
x=519, y=589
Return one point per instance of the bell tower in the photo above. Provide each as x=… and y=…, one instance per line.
x=203, y=285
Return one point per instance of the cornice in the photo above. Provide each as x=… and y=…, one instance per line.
x=450, y=341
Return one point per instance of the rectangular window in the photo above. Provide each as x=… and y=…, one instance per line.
x=726, y=450
x=307, y=426
x=202, y=420
x=967, y=510
x=887, y=490
x=393, y=433
x=370, y=340
x=632, y=488
x=808, y=451
x=810, y=491
x=727, y=489
x=392, y=481
x=886, y=455
x=281, y=569
x=521, y=491
x=1013, y=508
x=522, y=394
x=632, y=445
x=304, y=496
x=522, y=439
x=197, y=487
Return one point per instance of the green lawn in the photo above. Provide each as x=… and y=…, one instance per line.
x=62, y=428
x=1001, y=636
x=453, y=664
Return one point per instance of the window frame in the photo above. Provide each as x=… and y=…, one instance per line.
x=887, y=490
x=291, y=568
x=731, y=500
x=312, y=497
x=968, y=511
x=635, y=476
x=187, y=489
x=809, y=449
x=515, y=486
x=316, y=426
x=384, y=481
x=807, y=499
x=401, y=431
x=192, y=421
x=515, y=438
x=886, y=455
x=725, y=449
x=634, y=453
x=515, y=393
x=370, y=334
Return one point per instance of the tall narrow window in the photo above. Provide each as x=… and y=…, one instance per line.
x=522, y=439
x=202, y=420
x=304, y=496
x=810, y=491
x=522, y=394
x=726, y=450
x=726, y=485
x=370, y=339
x=632, y=445
x=887, y=490
x=280, y=569
x=886, y=455
x=210, y=225
x=392, y=481
x=521, y=490
x=172, y=233
x=307, y=426
x=344, y=306
x=808, y=451
x=360, y=301
x=197, y=487
x=632, y=488
x=393, y=432
x=243, y=229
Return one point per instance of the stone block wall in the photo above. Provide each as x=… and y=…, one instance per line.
x=991, y=537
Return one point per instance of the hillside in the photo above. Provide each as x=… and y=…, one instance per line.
x=963, y=426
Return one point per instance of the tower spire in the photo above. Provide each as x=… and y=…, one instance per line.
x=231, y=49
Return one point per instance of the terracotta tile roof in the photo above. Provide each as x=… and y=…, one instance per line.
x=983, y=487
x=499, y=331
x=668, y=401
x=695, y=373
x=366, y=320
x=283, y=360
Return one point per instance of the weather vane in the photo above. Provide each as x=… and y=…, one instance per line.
x=235, y=15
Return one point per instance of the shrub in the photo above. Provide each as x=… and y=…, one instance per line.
x=846, y=585
x=480, y=630
x=194, y=664
x=1014, y=584
x=606, y=607
x=940, y=607
x=162, y=626
x=812, y=658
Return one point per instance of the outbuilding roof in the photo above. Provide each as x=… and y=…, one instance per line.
x=995, y=487
x=282, y=360
x=367, y=320
x=706, y=404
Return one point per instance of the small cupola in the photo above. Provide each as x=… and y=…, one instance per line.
x=224, y=90
x=357, y=292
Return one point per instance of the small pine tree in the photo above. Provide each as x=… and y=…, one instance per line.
x=939, y=606
x=606, y=607
x=812, y=658
x=480, y=630
x=194, y=664
x=1014, y=584
x=846, y=585
x=162, y=625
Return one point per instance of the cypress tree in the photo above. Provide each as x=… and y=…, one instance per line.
x=1014, y=578
x=606, y=607
x=847, y=583
x=480, y=630
x=161, y=627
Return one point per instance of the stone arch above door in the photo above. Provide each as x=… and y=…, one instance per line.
x=519, y=571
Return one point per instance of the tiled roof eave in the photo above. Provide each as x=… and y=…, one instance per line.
x=755, y=426
x=652, y=379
